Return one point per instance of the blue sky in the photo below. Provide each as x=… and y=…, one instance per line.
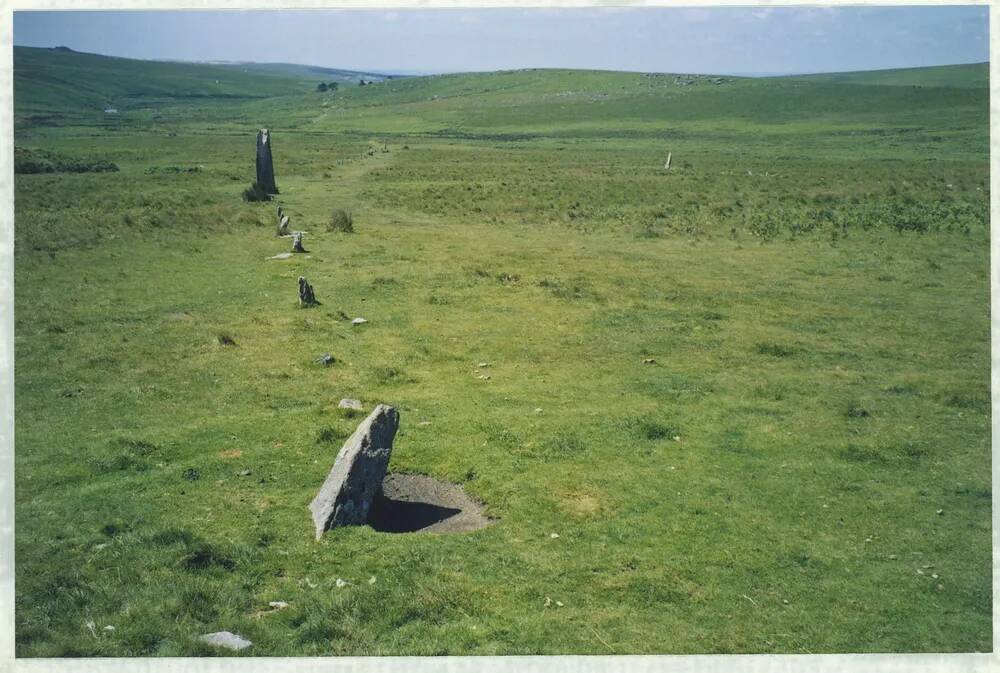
x=745, y=40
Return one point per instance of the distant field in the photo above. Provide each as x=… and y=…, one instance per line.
x=804, y=467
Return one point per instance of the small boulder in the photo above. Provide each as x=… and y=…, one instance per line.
x=358, y=321
x=225, y=639
x=326, y=359
x=350, y=404
x=355, y=480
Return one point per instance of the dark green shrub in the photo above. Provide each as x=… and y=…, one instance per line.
x=255, y=193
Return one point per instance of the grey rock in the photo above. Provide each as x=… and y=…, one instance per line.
x=358, y=321
x=283, y=255
x=297, y=242
x=306, y=295
x=265, y=166
x=350, y=404
x=283, y=225
x=326, y=359
x=356, y=477
x=225, y=639
x=280, y=213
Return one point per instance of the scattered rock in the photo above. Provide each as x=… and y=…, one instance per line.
x=340, y=583
x=297, y=242
x=109, y=628
x=278, y=605
x=225, y=639
x=283, y=255
x=940, y=512
x=348, y=403
x=265, y=166
x=483, y=365
x=358, y=321
x=484, y=377
x=244, y=473
x=554, y=536
x=371, y=580
x=355, y=480
x=649, y=361
x=538, y=410
x=306, y=295
x=326, y=359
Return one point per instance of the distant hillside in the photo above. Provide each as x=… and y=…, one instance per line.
x=60, y=83
x=309, y=72
x=971, y=75
x=61, y=87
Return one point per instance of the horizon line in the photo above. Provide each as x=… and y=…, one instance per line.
x=433, y=73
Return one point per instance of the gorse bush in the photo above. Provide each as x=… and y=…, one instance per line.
x=41, y=161
x=341, y=220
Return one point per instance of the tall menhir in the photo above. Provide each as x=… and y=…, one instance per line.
x=265, y=167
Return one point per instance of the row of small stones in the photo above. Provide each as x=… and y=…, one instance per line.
x=307, y=297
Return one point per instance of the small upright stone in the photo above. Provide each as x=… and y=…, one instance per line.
x=297, y=242
x=306, y=295
x=265, y=166
x=283, y=226
x=356, y=477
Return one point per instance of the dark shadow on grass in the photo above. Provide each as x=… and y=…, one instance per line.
x=399, y=516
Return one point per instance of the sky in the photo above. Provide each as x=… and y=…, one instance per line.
x=714, y=40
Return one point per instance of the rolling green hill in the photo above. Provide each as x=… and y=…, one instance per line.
x=60, y=84
x=971, y=75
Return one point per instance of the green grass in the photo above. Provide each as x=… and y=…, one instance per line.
x=811, y=279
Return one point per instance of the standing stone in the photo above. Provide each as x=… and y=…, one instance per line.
x=356, y=477
x=306, y=295
x=297, y=242
x=283, y=225
x=280, y=213
x=265, y=167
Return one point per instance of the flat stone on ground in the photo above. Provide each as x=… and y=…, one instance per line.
x=283, y=255
x=225, y=639
x=348, y=403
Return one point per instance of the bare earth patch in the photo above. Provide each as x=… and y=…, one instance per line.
x=414, y=503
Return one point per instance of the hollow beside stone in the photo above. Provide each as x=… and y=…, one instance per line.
x=265, y=166
x=355, y=480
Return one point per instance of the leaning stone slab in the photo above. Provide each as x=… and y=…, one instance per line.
x=356, y=478
x=225, y=639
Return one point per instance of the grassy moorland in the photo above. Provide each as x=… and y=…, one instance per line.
x=805, y=466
